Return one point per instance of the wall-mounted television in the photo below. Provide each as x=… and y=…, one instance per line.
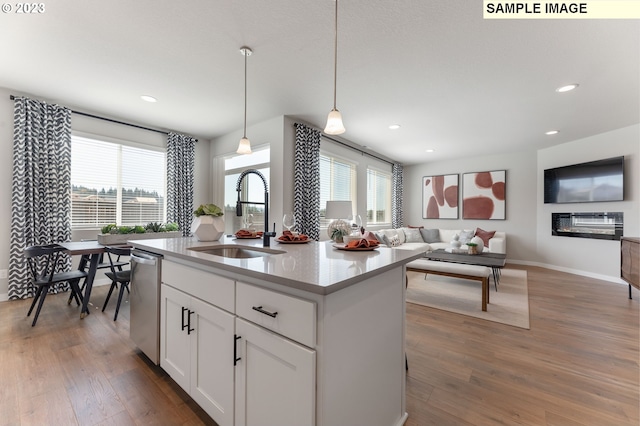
x=595, y=181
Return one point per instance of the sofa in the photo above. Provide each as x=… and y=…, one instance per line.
x=424, y=239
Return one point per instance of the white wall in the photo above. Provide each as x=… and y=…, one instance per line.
x=6, y=169
x=520, y=219
x=85, y=125
x=267, y=132
x=596, y=258
x=528, y=219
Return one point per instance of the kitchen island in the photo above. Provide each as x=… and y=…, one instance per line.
x=304, y=335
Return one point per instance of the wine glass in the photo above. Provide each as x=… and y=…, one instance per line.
x=289, y=221
x=247, y=221
x=355, y=222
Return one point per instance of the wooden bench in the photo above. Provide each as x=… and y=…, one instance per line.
x=456, y=270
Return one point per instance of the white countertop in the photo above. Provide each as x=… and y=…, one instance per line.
x=317, y=267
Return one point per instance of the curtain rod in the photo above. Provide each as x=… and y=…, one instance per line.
x=12, y=97
x=358, y=150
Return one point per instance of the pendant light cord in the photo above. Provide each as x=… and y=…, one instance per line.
x=246, y=53
x=335, y=59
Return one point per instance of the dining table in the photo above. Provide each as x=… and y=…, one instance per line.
x=93, y=251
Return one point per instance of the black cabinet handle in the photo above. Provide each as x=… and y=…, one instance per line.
x=235, y=349
x=184, y=324
x=262, y=311
x=189, y=329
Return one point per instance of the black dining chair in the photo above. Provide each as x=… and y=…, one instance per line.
x=45, y=263
x=116, y=274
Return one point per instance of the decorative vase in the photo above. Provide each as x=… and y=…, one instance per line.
x=208, y=228
x=455, y=243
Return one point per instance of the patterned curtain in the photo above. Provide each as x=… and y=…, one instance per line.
x=306, y=193
x=180, y=175
x=397, y=220
x=41, y=186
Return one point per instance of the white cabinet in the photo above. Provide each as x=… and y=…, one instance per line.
x=275, y=376
x=197, y=345
x=175, y=356
x=300, y=358
x=289, y=316
x=275, y=379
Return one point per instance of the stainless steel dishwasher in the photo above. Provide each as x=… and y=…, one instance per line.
x=144, y=302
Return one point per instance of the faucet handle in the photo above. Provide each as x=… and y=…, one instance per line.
x=271, y=233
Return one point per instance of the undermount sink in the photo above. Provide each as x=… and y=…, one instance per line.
x=236, y=252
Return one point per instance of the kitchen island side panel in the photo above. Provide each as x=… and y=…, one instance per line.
x=361, y=362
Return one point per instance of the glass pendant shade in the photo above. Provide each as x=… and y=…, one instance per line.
x=244, y=147
x=334, y=123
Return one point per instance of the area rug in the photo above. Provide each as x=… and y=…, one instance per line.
x=509, y=305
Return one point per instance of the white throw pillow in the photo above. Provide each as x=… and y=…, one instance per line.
x=466, y=236
x=390, y=233
x=412, y=235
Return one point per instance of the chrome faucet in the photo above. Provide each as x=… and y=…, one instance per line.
x=267, y=235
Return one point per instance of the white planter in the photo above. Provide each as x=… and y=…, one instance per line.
x=114, y=239
x=208, y=228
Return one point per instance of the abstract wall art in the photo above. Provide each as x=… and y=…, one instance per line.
x=440, y=197
x=483, y=195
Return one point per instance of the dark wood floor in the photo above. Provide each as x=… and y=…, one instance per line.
x=578, y=365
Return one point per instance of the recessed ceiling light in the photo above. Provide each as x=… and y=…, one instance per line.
x=567, y=88
x=148, y=98
x=552, y=132
x=430, y=150
x=394, y=126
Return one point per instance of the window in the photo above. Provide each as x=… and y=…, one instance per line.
x=116, y=183
x=252, y=189
x=337, y=182
x=378, y=197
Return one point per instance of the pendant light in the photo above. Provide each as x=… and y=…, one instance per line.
x=244, y=147
x=334, y=120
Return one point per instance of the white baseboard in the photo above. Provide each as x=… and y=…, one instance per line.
x=602, y=277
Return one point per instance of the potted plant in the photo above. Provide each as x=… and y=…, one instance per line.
x=113, y=234
x=208, y=224
x=473, y=248
x=338, y=229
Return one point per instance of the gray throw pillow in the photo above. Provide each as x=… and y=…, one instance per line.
x=430, y=235
x=466, y=236
x=382, y=238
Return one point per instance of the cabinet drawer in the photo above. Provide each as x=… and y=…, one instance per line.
x=287, y=315
x=204, y=285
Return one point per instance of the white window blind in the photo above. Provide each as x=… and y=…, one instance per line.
x=337, y=183
x=116, y=183
x=378, y=197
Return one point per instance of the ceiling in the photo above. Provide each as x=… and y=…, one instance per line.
x=456, y=83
